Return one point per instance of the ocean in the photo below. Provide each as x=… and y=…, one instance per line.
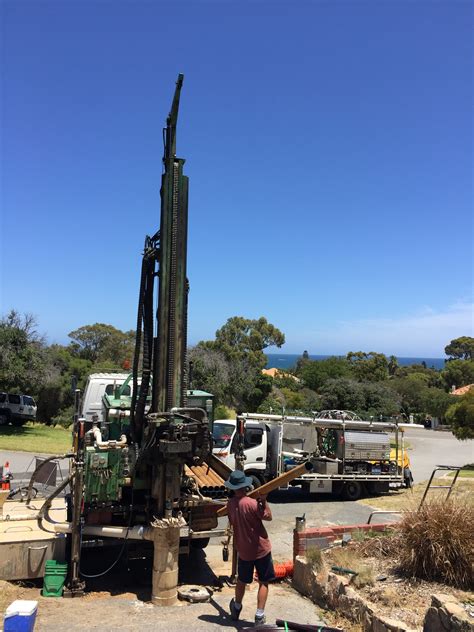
x=288, y=360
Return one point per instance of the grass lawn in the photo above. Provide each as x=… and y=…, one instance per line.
x=34, y=437
x=466, y=472
x=409, y=499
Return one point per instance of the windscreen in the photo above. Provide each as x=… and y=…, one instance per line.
x=222, y=434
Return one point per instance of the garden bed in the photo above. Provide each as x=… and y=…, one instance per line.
x=396, y=597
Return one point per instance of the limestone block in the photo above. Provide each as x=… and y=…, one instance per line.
x=351, y=605
x=439, y=599
x=384, y=624
x=302, y=576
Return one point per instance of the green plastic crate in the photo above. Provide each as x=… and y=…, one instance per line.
x=54, y=578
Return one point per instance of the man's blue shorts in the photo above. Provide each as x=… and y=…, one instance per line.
x=263, y=566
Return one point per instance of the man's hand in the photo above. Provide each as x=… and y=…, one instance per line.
x=263, y=507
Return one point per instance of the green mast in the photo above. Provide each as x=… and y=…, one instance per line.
x=170, y=346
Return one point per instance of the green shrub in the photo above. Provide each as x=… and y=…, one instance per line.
x=64, y=418
x=224, y=412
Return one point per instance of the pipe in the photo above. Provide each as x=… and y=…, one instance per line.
x=213, y=476
x=303, y=627
x=324, y=423
x=284, y=478
x=105, y=445
x=139, y=532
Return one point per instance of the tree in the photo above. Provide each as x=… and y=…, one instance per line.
x=368, y=367
x=252, y=398
x=244, y=338
x=392, y=365
x=22, y=362
x=461, y=348
x=458, y=373
x=380, y=400
x=413, y=392
x=102, y=343
x=56, y=392
x=301, y=362
x=437, y=402
x=365, y=399
x=342, y=394
x=316, y=373
x=241, y=342
x=460, y=416
x=211, y=372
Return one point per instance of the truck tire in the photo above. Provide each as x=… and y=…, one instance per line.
x=4, y=417
x=18, y=422
x=352, y=490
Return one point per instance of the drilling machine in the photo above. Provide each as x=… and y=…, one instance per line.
x=139, y=473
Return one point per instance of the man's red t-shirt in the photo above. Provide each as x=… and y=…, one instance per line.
x=251, y=538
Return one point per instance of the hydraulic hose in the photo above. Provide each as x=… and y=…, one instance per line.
x=43, y=513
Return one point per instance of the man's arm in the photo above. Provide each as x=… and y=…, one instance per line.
x=264, y=511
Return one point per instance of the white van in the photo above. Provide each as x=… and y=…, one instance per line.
x=17, y=409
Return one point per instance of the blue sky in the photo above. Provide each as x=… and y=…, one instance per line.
x=329, y=150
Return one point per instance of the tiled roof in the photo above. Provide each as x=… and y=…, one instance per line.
x=462, y=390
x=273, y=372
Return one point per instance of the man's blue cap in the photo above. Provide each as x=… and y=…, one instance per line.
x=238, y=480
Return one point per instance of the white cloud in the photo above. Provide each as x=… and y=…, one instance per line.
x=422, y=334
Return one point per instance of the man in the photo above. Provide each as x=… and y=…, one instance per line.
x=251, y=541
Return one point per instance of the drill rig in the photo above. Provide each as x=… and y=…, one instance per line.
x=139, y=473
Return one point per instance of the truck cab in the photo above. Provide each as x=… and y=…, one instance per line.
x=260, y=447
x=108, y=395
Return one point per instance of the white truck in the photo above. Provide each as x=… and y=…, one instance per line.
x=350, y=456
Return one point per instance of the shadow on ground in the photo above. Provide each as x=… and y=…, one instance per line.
x=132, y=574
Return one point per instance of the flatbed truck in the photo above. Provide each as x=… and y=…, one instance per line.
x=350, y=456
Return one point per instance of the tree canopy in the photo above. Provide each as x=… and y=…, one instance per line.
x=103, y=343
x=243, y=338
x=460, y=416
x=461, y=348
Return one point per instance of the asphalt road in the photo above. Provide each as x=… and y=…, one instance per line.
x=431, y=448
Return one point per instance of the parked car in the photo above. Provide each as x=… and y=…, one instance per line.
x=17, y=409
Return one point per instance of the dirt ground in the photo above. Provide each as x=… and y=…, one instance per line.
x=121, y=600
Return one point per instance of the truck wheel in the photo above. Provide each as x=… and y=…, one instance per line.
x=4, y=418
x=352, y=490
x=18, y=422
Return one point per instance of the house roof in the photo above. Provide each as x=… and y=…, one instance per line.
x=273, y=372
x=462, y=390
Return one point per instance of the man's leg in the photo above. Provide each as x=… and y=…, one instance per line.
x=239, y=591
x=245, y=574
x=262, y=595
x=266, y=574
